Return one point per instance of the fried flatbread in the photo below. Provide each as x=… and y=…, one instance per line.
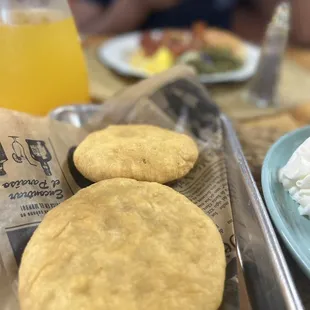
x=140, y=152
x=121, y=244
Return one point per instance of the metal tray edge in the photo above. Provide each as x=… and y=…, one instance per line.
x=267, y=277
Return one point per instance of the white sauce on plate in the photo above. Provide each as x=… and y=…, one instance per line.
x=295, y=177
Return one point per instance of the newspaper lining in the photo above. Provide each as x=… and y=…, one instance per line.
x=37, y=172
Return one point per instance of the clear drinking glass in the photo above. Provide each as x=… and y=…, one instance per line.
x=41, y=60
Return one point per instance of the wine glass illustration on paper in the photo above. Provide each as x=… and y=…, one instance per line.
x=3, y=159
x=39, y=152
x=19, y=154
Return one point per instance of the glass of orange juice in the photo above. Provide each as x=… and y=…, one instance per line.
x=41, y=59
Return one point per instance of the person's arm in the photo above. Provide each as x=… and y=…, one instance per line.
x=300, y=16
x=85, y=11
x=125, y=15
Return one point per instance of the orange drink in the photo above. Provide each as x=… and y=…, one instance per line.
x=41, y=61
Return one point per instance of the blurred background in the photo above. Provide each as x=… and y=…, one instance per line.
x=248, y=18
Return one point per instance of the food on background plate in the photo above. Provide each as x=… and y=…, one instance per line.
x=295, y=177
x=125, y=245
x=140, y=152
x=160, y=61
x=208, y=50
x=211, y=60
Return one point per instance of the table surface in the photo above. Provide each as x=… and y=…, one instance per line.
x=257, y=129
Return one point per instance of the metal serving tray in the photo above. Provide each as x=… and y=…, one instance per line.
x=268, y=281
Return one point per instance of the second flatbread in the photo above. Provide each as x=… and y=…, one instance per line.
x=140, y=152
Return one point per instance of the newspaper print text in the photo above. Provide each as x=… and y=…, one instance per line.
x=44, y=188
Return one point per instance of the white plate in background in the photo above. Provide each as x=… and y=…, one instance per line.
x=115, y=53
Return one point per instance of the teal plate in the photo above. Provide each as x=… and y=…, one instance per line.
x=293, y=228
